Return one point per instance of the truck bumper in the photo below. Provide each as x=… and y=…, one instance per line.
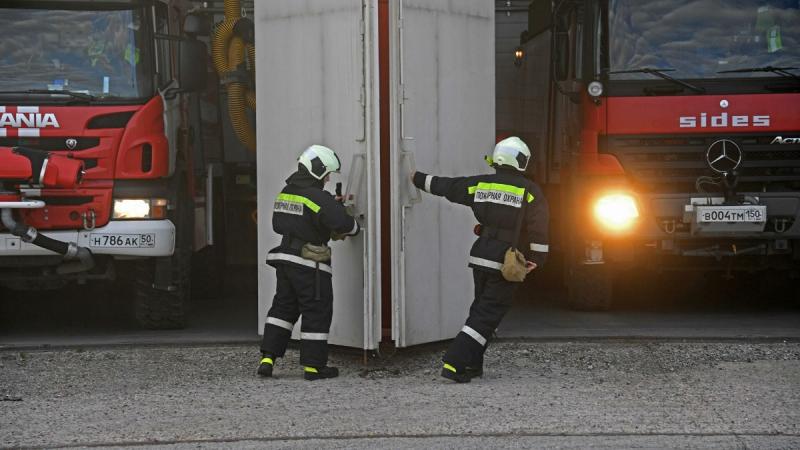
x=129, y=238
x=667, y=216
x=667, y=238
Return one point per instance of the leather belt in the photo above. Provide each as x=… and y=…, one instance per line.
x=499, y=234
x=292, y=243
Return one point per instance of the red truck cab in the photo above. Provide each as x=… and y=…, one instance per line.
x=99, y=83
x=670, y=135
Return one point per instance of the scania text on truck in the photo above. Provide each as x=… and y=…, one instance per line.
x=671, y=134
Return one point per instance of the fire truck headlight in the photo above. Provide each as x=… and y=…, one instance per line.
x=616, y=212
x=140, y=208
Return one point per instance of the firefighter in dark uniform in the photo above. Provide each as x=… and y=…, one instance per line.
x=307, y=217
x=512, y=213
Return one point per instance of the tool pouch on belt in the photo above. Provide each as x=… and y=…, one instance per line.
x=316, y=253
x=513, y=268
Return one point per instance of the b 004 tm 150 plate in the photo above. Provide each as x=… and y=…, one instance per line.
x=732, y=214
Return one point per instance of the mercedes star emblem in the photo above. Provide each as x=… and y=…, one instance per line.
x=71, y=143
x=724, y=156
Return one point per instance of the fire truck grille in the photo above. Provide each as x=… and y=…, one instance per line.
x=673, y=164
x=50, y=144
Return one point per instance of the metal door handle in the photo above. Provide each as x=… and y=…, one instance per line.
x=355, y=180
x=414, y=195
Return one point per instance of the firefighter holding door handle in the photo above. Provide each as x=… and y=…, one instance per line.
x=307, y=217
x=513, y=215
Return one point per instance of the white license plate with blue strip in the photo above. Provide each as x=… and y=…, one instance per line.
x=107, y=240
x=732, y=214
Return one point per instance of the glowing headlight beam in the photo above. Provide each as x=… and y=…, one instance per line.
x=617, y=212
x=131, y=209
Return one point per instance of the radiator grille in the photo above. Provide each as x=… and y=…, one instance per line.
x=50, y=144
x=670, y=164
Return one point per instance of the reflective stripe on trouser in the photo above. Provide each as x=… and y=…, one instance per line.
x=541, y=248
x=493, y=295
x=285, y=324
x=482, y=262
x=313, y=347
x=295, y=296
x=285, y=257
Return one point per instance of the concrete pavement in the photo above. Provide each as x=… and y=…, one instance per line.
x=607, y=394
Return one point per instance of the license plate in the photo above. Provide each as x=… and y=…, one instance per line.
x=732, y=214
x=103, y=240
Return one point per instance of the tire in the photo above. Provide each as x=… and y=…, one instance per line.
x=160, y=309
x=589, y=288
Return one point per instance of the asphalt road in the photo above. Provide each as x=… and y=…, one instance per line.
x=606, y=394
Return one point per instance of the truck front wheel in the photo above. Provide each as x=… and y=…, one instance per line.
x=162, y=285
x=589, y=287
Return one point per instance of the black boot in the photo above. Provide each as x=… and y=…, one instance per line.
x=318, y=373
x=474, y=372
x=266, y=365
x=451, y=373
x=475, y=368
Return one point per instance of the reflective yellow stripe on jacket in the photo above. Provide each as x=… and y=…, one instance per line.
x=299, y=199
x=500, y=187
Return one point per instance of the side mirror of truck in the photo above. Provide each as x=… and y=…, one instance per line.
x=193, y=72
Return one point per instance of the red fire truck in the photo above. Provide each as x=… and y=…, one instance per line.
x=670, y=131
x=98, y=172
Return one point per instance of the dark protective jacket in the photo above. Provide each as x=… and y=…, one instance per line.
x=496, y=200
x=305, y=213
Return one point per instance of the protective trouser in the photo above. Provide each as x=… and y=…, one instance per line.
x=295, y=296
x=493, y=296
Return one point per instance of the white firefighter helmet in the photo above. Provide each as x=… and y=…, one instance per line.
x=511, y=152
x=319, y=161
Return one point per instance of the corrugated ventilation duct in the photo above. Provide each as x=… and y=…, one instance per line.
x=233, y=50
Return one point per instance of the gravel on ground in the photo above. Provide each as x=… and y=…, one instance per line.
x=607, y=394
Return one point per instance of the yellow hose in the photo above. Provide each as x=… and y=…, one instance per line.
x=237, y=109
x=233, y=9
x=219, y=46
x=228, y=53
x=235, y=52
x=251, y=54
x=250, y=97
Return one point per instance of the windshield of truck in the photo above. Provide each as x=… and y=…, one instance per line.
x=102, y=53
x=698, y=39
